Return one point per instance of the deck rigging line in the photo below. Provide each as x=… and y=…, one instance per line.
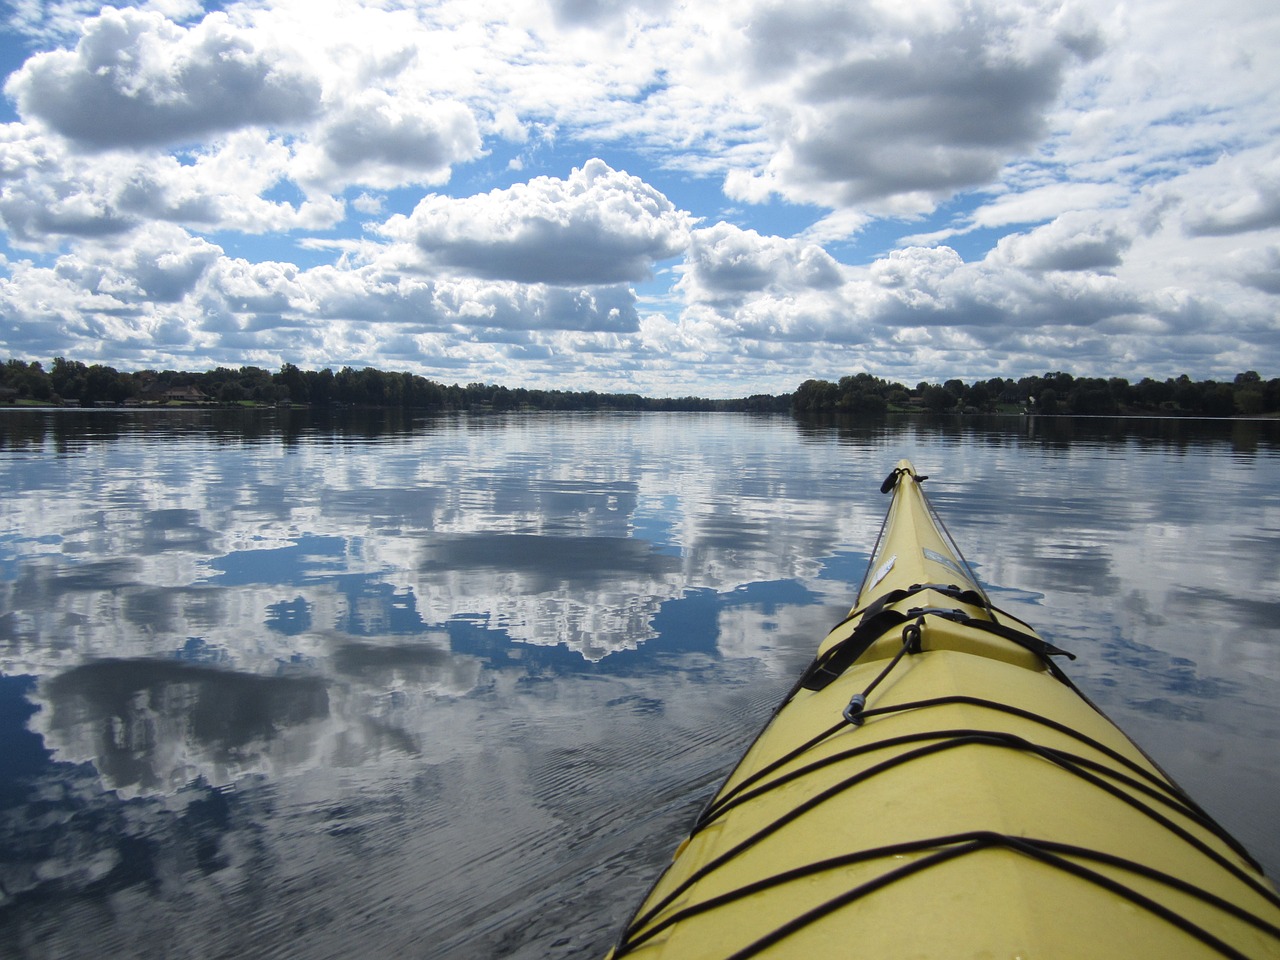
x=951, y=847
x=1147, y=790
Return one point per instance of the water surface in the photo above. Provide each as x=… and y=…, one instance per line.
x=308, y=685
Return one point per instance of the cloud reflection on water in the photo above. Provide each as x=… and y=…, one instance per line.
x=316, y=558
x=214, y=623
x=159, y=724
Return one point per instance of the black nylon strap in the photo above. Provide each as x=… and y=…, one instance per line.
x=873, y=624
x=877, y=621
x=1041, y=648
x=839, y=658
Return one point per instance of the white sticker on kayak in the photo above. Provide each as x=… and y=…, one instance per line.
x=948, y=563
x=883, y=571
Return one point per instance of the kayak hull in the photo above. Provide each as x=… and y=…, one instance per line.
x=934, y=786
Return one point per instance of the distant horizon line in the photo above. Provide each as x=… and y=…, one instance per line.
x=1242, y=377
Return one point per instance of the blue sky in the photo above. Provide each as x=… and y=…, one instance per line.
x=660, y=197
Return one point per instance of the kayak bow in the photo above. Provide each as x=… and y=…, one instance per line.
x=935, y=786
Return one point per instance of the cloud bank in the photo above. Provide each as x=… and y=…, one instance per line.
x=665, y=198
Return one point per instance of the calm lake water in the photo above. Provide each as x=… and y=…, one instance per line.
x=301, y=685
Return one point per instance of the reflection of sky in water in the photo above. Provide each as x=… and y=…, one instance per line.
x=511, y=653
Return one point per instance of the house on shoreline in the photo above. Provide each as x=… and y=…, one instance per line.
x=157, y=393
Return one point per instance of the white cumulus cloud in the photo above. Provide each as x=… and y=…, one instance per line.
x=726, y=264
x=596, y=226
x=383, y=141
x=135, y=79
x=895, y=108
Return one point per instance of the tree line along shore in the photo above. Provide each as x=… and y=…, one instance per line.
x=73, y=383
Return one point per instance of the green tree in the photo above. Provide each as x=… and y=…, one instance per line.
x=814, y=396
x=937, y=399
x=68, y=378
x=320, y=386
x=1219, y=399
x=1150, y=394
x=104, y=384
x=1187, y=395
x=29, y=379
x=1091, y=397
x=231, y=391
x=294, y=383
x=1250, y=403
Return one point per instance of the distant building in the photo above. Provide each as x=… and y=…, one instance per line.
x=169, y=393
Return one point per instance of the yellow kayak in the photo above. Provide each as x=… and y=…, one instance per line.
x=934, y=786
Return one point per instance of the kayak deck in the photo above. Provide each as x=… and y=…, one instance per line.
x=934, y=786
